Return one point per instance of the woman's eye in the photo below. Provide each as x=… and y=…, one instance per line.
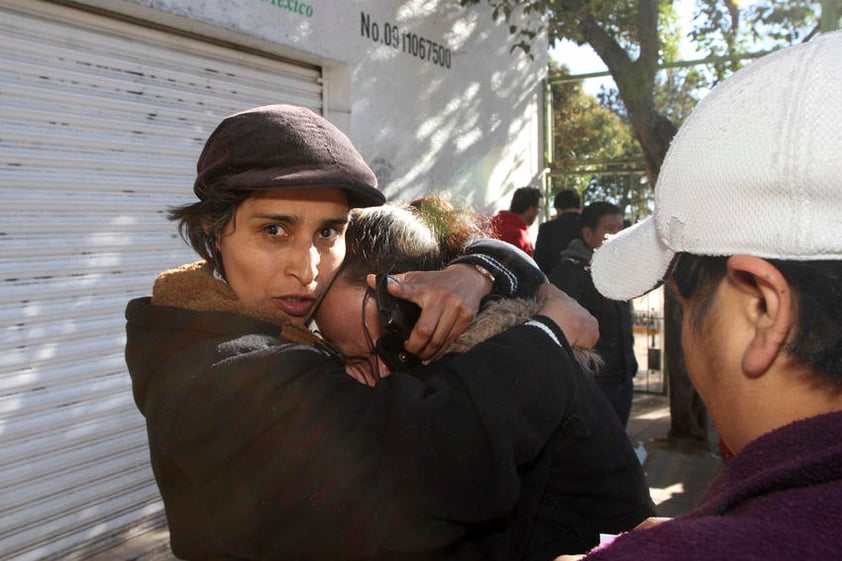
x=329, y=233
x=274, y=230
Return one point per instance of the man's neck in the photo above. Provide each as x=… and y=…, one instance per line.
x=520, y=215
x=796, y=397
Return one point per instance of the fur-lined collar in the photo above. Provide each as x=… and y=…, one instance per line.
x=194, y=287
x=500, y=315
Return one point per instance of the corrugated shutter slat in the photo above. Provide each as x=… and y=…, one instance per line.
x=102, y=122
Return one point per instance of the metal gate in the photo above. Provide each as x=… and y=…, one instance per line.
x=649, y=343
x=102, y=122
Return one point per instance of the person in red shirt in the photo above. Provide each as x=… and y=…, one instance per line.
x=513, y=225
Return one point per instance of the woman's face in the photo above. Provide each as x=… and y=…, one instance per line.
x=340, y=320
x=283, y=246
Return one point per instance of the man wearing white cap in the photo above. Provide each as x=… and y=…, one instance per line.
x=747, y=232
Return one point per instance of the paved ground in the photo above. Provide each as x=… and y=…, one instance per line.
x=676, y=475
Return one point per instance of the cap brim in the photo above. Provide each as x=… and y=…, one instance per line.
x=631, y=263
x=364, y=196
x=360, y=193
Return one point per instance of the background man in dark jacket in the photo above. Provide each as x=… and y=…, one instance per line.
x=555, y=235
x=616, y=338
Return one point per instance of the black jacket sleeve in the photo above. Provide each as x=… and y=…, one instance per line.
x=571, y=277
x=544, y=247
x=516, y=274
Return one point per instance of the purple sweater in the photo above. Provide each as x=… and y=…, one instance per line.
x=779, y=499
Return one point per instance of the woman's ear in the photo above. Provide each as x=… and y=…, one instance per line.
x=769, y=310
x=211, y=242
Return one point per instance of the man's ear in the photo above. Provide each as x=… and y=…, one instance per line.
x=769, y=310
x=587, y=235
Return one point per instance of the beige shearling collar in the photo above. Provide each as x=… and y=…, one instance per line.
x=194, y=287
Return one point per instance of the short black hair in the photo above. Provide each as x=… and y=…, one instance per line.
x=817, y=286
x=594, y=211
x=524, y=198
x=567, y=198
x=203, y=222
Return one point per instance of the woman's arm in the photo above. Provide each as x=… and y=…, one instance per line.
x=280, y=453
x=451, y=298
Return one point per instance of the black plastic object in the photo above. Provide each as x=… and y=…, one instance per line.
x=398, y=318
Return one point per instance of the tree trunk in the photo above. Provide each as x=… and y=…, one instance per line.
x=654, y=132
x=635, y=80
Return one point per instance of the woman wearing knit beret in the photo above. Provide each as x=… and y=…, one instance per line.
x=261, y=445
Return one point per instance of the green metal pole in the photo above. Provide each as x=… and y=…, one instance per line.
x=674, y=64
x=549, y=148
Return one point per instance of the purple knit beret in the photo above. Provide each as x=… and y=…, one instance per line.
x=284, y=146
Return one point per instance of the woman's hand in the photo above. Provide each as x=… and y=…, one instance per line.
x=449, y=300
x=580, y=328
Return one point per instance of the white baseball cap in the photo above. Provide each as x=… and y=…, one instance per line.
x=755, y=170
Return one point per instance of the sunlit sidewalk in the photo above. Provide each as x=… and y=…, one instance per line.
x=677, y=475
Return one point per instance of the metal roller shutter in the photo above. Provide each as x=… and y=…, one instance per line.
x=102, y=122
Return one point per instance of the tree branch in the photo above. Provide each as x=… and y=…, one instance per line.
x=647, y=34
x=609, y=50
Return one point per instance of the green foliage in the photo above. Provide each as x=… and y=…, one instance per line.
x=720, y=26
x=634, y=38
x=723, y=28
x=594, y=148
x=589, y=142
x=561, y=19
x=585, y=130
x=678, y=90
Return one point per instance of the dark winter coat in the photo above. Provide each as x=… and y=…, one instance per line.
x=587, y=481
x=554, y=236
x=616, y=335
x=263, y=448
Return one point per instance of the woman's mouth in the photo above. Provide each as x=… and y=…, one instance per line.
x=297, y=306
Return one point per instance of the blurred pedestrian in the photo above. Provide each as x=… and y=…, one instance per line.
x=512, y=225
x=555, y=235
x=616, y=330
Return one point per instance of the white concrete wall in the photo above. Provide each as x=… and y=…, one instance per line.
x=473, y=128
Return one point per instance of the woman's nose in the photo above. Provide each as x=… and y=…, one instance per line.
x=304, y=265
